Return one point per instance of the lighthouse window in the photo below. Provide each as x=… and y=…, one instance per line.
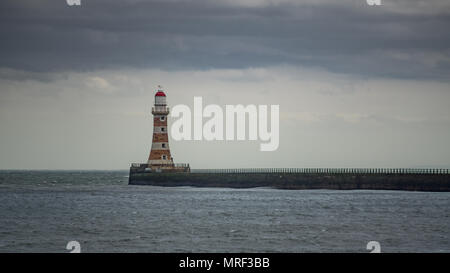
x=164, y=157
x=164, y=145
x=163, y=118
x=163, y=129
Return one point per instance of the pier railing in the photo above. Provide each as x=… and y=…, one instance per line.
x=325, y=171
x=145, y=165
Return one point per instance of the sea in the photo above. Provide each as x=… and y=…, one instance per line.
x=42, y=211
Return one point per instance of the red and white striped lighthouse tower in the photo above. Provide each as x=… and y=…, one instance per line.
x=160, y=152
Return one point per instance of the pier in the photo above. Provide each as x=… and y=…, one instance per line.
x=408, y=179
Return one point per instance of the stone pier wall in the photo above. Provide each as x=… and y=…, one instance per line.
x=407, y=182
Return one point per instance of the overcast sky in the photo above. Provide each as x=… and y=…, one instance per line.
x=357, y=85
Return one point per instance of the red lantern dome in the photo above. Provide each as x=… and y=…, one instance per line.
x=160, y=94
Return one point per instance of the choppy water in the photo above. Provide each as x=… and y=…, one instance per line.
x=42, y=211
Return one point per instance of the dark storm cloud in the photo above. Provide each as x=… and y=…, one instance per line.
x=352, y=37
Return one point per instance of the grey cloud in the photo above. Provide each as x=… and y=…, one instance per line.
x=347, y=38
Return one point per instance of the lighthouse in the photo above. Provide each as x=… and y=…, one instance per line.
x=160, y=159
x=160, y=152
